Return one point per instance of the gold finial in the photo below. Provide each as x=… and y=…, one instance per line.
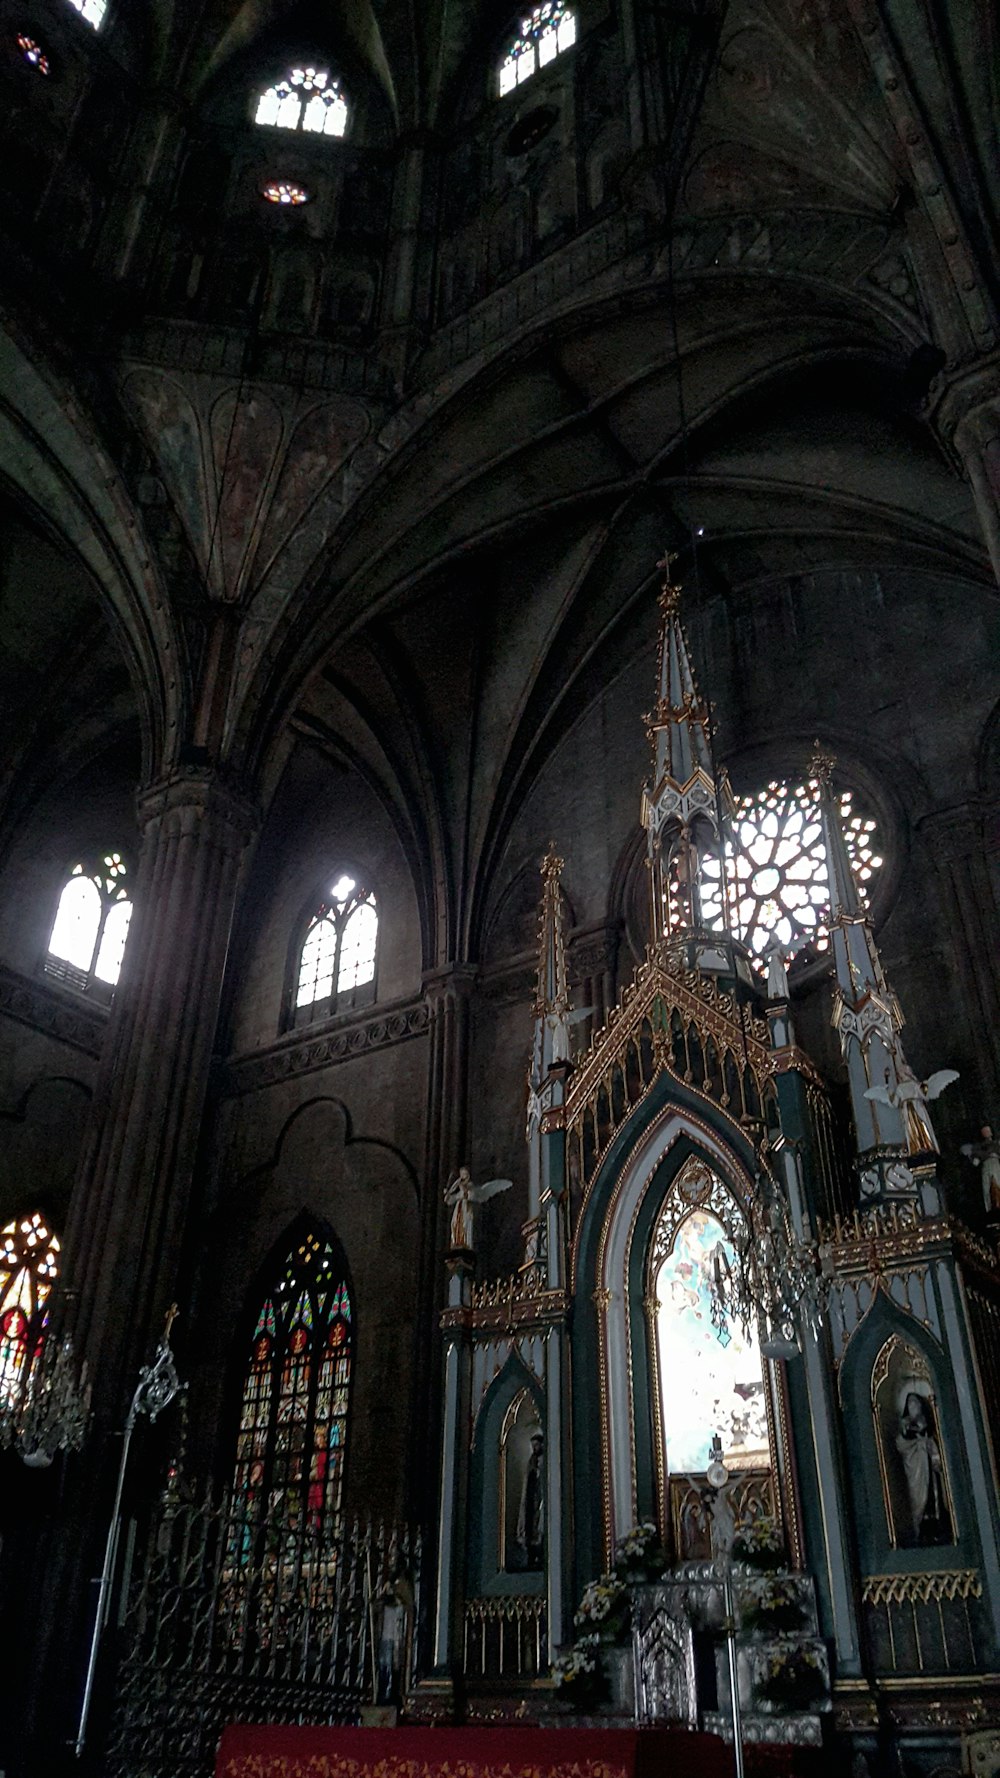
x=821, y=765
x=169, y=1319
x=552, y=864
x=670, y=592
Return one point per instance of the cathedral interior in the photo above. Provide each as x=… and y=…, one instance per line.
x=499, y=644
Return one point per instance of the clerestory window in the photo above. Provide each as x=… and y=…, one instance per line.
x=336, y=963
x=544, y=34
x=307, y=99
x=87, y=942
x=91, y=10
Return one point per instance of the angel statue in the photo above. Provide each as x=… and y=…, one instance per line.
x=909, y=1097
x=463, y=1196
x=776, y=958
x=986, y=1154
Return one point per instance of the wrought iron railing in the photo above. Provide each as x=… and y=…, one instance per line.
x=233, y=1614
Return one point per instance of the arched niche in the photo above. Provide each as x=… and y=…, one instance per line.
x=891, y=1356
x=511, y=1415
x=620, y=1469
x=916, y=1489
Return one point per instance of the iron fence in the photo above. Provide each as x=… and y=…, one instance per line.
x=235, y=1614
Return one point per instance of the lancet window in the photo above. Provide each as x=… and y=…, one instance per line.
x=308, y=99
x=29, y=1266
x=336, y=965
x=776, y=867
x=87, y=942
x=294, y=1415
x=544, y=34
x=91, y=10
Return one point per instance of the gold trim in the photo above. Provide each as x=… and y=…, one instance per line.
x=921, y=1589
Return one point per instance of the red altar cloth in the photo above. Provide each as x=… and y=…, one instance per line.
x=273, y=1751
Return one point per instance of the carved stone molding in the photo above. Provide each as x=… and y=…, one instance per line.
x=47, y=1010
x=285, y=1060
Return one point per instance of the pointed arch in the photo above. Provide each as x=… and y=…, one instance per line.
x=297, y=1375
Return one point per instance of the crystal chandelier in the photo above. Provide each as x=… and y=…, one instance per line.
x=776, y=1285
x=46, y=1406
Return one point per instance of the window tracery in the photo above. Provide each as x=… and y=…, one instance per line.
x=91, y=10
x=545, y=33
x=337, y=960
x=292, y=1439
x=87, y=942
x=777, y=870
x=284, y=191
x=307, y=99
x=29, y=1266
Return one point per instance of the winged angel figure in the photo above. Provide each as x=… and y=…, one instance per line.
x=909, y=1096
x=463, y=1196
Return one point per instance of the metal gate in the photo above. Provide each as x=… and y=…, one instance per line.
x=237, y=1615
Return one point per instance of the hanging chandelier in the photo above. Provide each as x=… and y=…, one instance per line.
x=776, y=1285
x=46, y=1406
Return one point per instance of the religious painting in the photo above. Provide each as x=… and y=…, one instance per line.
x=913, y=1463
x=522, y=1488
x=710, y=1382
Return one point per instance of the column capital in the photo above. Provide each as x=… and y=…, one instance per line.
x=966, y=408
x=199, y=792
x=452, y=981
x=964, y=830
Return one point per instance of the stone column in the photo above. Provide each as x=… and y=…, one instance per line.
x=447, y=992
x=964, y=843
x=132, y=1200
x=967, y=415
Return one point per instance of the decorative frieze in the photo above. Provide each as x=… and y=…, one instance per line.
x=56, y=1014
x=285, y=1060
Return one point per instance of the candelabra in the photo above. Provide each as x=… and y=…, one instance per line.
x=777, y=1282
x=46, y=1407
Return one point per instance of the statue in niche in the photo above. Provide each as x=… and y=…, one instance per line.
x=986, y=1154
x=930, y=1521
x=462, y=1195
x=531, y=1511
x=522, y=1488
x=914, y=1471
x=777, y=972
x=394, y=1617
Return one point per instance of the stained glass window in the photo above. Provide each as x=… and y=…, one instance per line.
x=544, y=34
x=87, y=942
x=33, y=53
x=91, y=10
x=283, y=191
x=292, y=1440
x=337, y=960
x=777, y=867
x=306, y=99
x=708, y=1385
x=29, y=1266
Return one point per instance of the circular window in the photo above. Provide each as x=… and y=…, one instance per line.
x=531, y=129
x=284, y=191
x=778, y=879
x=33, y=53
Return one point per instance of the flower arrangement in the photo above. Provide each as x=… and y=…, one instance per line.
x=759, y=1543
x=603, y=1609
x=639, y=1552
x=793, y=1679
x=776, y=1609
x=578, y=1674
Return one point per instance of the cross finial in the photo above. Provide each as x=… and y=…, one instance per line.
x=821, y=765
x=670, y=592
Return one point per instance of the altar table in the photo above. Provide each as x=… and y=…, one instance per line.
x=272, y=1751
